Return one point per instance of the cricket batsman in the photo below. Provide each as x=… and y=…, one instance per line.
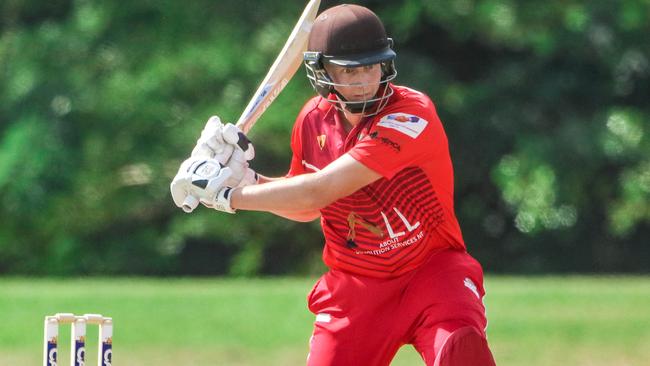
x=371, y=160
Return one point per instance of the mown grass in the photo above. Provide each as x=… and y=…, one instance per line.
x=533, y=320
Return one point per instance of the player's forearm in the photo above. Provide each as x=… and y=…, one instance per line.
x=300, y=216
x=289, y=195
x=307, y=192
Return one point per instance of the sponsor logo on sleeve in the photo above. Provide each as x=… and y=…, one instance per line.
x=386, y=141
x=407, y=124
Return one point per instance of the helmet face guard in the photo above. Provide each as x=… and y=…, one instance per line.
x=325, y=86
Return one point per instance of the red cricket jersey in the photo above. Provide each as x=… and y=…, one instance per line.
x=392, y=225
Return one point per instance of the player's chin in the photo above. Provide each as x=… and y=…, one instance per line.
x=358, y=98
x=361, y=97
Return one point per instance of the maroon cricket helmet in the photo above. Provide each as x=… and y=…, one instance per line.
x=349, y=36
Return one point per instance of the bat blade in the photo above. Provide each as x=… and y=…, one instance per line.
x=284, y=67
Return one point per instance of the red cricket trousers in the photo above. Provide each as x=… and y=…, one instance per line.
x=363, y=321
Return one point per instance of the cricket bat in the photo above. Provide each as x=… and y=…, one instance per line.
x=282, y=70
x=278, y=76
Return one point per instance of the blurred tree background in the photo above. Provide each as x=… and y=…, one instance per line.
x=546, y=105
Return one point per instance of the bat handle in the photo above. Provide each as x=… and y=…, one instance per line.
x=190, y=203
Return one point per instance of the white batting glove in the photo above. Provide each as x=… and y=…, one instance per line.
x=218, y=141
x=199, y=179
x=213, y=143
x=242, y=175
x=249, y=178
x=221, y=201
x=242, y=140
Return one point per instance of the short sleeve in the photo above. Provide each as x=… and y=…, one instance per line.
x=400, y=140
x=296, y=167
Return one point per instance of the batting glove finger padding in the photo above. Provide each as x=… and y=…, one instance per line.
x=210, y=142
x=230, y=133
x=233, y=135
x=216, y=141
x=238, y=165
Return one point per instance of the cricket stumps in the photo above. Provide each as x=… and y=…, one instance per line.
x=78, y=338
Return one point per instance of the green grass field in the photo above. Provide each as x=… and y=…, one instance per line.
x=533, y=321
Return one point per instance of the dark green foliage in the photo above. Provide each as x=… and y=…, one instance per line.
x=546, y=105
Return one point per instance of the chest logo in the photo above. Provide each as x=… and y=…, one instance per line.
x=394, y=235
x=354, y=220
x=321, y=141
x=407, y=124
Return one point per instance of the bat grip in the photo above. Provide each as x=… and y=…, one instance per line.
x=190, y=203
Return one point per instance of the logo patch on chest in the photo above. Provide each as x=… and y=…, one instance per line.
x=407, y=124
x=354, y=220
